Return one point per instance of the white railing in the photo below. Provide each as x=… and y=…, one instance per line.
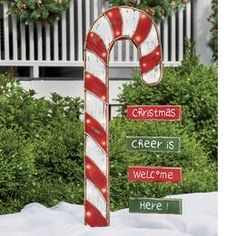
x=61, y=45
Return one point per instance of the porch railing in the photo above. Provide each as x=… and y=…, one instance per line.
x=61, y=45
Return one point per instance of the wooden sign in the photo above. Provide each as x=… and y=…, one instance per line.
x=153, y=205
x=155, y=144
x=154, y=174
x=150, y=112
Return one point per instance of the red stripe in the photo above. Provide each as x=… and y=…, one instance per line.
x=94, y=174
x=95, y=43
x=115, y=18
x=93, y=217
x=150, y=61
x=96, y=131
x=96, y=86
x=143, y=29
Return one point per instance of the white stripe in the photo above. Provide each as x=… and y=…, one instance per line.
x=150, y=43
x=96, y=108
x=103, y=28
x=153, y=76
x=96, y=154
x=95, y=66
x=96, y=198
x=130, y=19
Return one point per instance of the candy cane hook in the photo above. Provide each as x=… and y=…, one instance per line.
x=116, y=23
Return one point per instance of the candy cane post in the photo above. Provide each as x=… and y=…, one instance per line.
x=118, y=23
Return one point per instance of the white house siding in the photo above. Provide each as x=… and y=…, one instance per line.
x=202, y=11
x=192, y=22
x=72, y=88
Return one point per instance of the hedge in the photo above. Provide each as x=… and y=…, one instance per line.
x=199, y=174
x=41, y=143
x=41, y=149
x=193, y=86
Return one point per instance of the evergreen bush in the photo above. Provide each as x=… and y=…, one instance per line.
x=17, y=170
x=41, y=142
x=41, y=148
x=199, y=173
x=193, y=86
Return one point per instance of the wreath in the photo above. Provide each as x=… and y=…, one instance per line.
x=42, y=11
x=157, y=9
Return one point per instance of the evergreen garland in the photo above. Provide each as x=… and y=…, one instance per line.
x=213, y=43
x=157, y=9
x=43, y=11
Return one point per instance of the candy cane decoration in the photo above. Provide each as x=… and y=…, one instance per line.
x=116, y=23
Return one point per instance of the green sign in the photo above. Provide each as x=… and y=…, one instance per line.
x=153, y=205
x=155, y=144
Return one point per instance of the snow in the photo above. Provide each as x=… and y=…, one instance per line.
x=199, y=219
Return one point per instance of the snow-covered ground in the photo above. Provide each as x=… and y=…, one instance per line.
x=199, y=219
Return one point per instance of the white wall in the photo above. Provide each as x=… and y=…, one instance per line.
x=201, y=29
x=74, y=88
x=69, y=88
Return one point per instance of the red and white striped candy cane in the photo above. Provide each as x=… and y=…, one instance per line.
x=115, y=24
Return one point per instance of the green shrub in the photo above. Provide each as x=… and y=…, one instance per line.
x=17, y=170
x=199, y=174
x=41, y=149
x=46, y=169
x=194, y=87
x=59, y=161
x=22, y=111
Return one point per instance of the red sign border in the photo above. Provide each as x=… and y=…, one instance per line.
x=152, y=106
x=155, y=167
